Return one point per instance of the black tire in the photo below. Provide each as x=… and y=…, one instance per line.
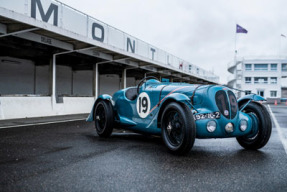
x=104, y=118
x=178, y=128
x=263, y=134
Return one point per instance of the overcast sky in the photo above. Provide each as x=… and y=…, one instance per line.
x=201, y=32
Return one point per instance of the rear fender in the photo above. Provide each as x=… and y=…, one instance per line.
x=248, y=98
x=101, y=97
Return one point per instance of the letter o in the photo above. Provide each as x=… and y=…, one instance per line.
x=100, y=27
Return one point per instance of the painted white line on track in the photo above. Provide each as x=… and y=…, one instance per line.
x=43, y=123
x=279, y=130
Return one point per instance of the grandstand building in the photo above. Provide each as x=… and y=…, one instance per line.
x=56, y=60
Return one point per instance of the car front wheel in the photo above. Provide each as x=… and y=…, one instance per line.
x=259, y=138
x=178, y=128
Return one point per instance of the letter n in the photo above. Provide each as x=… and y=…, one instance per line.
x=44, y=17
x=130, y=45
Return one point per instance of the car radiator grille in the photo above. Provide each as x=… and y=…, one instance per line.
x=226, y=103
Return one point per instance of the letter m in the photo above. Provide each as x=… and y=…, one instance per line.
x=44, y=17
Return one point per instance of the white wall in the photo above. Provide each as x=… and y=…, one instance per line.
x=284, y=82
x=76, y=105
x=22, y=107
x=25, y=107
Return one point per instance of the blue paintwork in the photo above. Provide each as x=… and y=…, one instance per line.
x=126, y=115
x=253, y=97
x=248, y=98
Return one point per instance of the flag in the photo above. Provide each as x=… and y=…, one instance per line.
x=240, y=29
x=283, y=35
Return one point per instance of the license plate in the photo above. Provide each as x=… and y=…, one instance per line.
x=213, y=115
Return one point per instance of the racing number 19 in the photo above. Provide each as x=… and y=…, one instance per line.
x=143, y=104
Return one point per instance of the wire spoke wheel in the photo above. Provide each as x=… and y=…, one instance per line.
x=178, y=128
x=175, y=127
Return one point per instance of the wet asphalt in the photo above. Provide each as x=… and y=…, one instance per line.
x=71, y=157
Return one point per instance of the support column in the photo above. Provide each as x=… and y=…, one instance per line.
x=53, y=87
x=124, y=76
x=124, y=79
x=96, y=81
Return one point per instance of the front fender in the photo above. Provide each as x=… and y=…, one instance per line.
x=177, y=97
x=101, y=97
x=251, y=97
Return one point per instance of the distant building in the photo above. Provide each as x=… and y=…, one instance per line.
x=264, y=76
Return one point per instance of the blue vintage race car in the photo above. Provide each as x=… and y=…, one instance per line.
x=181, y=112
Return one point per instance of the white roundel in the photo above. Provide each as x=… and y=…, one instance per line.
x=143, y=105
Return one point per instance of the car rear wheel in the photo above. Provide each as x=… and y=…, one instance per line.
x=259, y=138
x=178, y=128
x=104, y=118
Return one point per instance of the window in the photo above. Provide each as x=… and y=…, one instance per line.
x=273, y=80
x=247, y=80
x=273, y=67
x=189, y=68
x=247, y=92
x=260, y=80
x=284, y=66
x=260, y=67
x=273, y=93
x=260, y=92
x=248, y=67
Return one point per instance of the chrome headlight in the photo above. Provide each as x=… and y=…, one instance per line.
x=243, y=125
x=211, y=126
x=229, y=128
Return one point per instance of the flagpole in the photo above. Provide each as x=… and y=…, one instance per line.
x=280, y=46
x=235, y=55
x=235, y=41
x=235, y=46
x=239, y=29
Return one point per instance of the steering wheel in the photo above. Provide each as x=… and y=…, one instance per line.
x=143, y=81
